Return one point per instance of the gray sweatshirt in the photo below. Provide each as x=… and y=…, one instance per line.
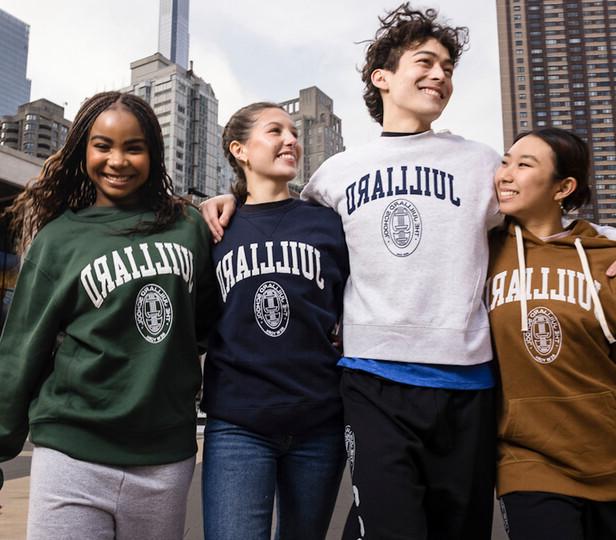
x=416, y=210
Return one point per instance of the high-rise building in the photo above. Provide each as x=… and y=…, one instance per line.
x=319, y=130
x=558, y=68
x=14, y=86
x=225, y=173
x=187, y=110
x=39, y=128
x=173, y=38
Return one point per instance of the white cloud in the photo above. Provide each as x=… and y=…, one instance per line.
x=214, y=67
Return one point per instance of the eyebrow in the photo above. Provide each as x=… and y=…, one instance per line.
x=109, y=140
x=280, y=125
x=433, y=55
x=523, y=156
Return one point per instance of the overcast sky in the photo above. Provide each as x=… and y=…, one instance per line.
x=251, y=50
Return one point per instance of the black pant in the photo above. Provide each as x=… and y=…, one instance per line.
x=422, y=460
x=534, y=515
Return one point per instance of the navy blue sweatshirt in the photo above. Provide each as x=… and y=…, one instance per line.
x=270, y=367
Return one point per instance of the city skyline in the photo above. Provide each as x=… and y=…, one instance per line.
x=252, y=51
x=557, y=66
x=173, y=35
x=14, y=41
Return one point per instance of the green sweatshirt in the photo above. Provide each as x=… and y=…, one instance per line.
x=98, y=357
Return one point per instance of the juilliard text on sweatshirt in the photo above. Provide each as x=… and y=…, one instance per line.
x=390, y=182
x=290, y=257
x=108, y=272
x=559, y=284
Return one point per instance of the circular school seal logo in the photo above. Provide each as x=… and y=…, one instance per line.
x=153, y=313
x=271, y=307
x=544, y=336
x=401, y=227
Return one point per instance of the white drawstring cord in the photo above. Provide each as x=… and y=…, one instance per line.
x=522, y=270
x=593, y=292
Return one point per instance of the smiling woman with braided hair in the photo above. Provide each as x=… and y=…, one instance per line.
x=98, y=358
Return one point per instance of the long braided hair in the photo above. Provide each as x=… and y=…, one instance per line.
x=63, y=182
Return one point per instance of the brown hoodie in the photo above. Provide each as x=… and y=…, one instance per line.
x=557, y=360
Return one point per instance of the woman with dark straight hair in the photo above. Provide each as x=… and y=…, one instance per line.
x=553, y=318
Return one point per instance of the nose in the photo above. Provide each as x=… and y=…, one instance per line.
x=437, y=72
x=503, y=174
x=116, y=159
x=290, y=139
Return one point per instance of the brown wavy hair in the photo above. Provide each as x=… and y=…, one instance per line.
x=63, y=182
x=238, y=129
x=400, y=30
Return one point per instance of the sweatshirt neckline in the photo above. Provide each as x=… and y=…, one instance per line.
x=393, y=134
x=404, y=138
x=577, y=228
x=103, y=214
x=260, y=208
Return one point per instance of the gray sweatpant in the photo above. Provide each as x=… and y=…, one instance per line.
x=78, y=500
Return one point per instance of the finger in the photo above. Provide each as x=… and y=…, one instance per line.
x=210, y=216
x=227, y=211
x=611, y=271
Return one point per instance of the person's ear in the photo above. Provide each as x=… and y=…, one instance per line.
x=238, y=151
x=380, y=79
x=566, y=187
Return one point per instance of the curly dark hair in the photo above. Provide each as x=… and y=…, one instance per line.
x=400, y=30
x=238, y=129
x=63, y=182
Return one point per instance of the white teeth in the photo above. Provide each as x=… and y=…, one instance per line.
x=114, y=178
x=431, y=92
x=508, y=193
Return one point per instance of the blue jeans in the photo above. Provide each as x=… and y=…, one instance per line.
x=242, y=471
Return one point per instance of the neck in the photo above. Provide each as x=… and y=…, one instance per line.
x=266, y=190
x=398, y=122
x=542, y=226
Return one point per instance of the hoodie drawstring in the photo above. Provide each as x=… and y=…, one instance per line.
x=599, y=313
x=593, y=292
x=522, y=270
